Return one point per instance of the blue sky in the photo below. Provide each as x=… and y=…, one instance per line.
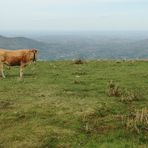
x=65, y=15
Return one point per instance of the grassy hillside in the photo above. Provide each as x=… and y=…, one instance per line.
x=64, y=105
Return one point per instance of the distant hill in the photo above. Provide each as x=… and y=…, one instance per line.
x=49, y=51
x=23, y=43
x=19, y=42
x=100, y=46
x=73, y=47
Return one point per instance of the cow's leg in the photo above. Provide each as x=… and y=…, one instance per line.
x=2, y=70
x=21, y=70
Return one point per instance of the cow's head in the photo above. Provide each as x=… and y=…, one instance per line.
x=34, y=54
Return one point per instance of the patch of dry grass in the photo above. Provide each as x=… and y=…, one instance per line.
x=113, y=90
x=138, y=121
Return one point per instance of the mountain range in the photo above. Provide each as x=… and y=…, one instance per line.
x=55, y=47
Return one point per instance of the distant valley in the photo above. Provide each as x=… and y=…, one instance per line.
x=59, y=47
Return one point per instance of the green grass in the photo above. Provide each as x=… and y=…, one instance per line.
x=61, y=104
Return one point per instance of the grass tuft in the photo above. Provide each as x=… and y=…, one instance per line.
x=6, y=104
x=132, y=95
x=79, y=61
x=137, y=121
x=95, y=122
x=113, y=90
x=126, y=96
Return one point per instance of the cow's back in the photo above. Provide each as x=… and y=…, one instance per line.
x=13, y=57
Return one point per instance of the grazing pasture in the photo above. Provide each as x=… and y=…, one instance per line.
x=64, y=104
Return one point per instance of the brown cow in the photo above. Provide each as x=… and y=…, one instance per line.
x=20, y=58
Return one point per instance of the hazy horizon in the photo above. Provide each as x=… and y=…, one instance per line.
x=25, y=33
